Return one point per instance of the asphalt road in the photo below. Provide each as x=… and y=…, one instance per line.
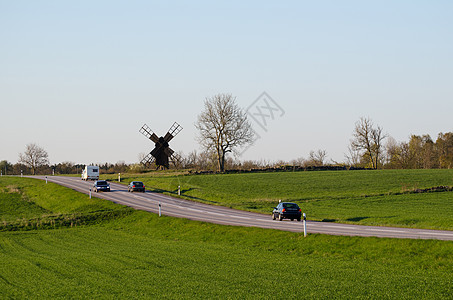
x=175, y=207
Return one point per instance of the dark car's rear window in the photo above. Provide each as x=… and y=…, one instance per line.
x=290, y=205
x=102, y=183
x=138, y=183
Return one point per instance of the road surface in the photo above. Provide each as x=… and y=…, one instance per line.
x=175, y=207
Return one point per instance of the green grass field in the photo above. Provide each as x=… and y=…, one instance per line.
x=382, y=197
x=134, y=254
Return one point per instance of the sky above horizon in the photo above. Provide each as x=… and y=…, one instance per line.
x=80, y=78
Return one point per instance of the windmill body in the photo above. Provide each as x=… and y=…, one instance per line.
x=162, y=153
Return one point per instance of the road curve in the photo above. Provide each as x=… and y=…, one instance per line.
x=180, y=208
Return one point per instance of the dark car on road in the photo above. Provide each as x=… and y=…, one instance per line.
x=101, y=186
x=287, y=210
x=136, y=186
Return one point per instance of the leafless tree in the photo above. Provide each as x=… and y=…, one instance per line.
x=369, y=139
x=34, y=157
x=353, y=156
x=300, y=161
x=318, y=158
x=223, y=127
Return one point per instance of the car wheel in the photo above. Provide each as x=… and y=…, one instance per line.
x=298, y=219
x=273, y=216
x=292, y=220
x=280, y=217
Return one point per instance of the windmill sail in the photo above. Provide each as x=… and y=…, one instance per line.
x=162, y=152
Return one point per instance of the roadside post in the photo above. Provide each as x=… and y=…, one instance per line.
x=90, y=193
x=46, y=179
x=179, y=190
x=53, y=172
x=1, y=172
x=119, y=177
x=305, y=225
x=20, y=173
x=160, y=212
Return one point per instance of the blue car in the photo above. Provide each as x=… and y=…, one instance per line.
x=101, y=186
x=136, y=186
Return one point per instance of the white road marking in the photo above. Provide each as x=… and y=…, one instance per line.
x=435, y=233
x=386, y=230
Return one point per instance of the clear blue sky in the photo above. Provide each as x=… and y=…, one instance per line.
x=79, y=78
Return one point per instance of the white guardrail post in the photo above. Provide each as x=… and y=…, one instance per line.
x=305, y=225
x=160, y=208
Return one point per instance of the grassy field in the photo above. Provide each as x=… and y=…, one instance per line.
x=382, y=197
x=30, y=204
x=135, y=254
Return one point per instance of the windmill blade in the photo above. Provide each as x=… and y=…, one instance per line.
x=156, y=151
x=172, y=132
x=176, y=158
x=148, y=159
x=146, y=131
x=168, y=151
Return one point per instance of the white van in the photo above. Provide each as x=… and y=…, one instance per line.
x=90, y=173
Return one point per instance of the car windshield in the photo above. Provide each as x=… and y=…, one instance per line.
x=290, y=205
x=137, y=183
x=101, y=183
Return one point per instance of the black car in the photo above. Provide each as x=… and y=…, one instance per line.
x=101, y=186
x=136, y=186
x=287, y=210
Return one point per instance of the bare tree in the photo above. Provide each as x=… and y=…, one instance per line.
x=300, y=161
x=353, y=156
x=34, y=157
x=318, y=158
x=369, y=139
x=223, y=126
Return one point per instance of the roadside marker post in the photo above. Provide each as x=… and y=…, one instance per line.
x=160, y=212
x=46, y=179
x=305, y=225
x=20, y=173
x=119, y=177
x=179, y=190
x=90, y=193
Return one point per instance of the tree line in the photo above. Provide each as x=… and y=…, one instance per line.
x=371, y=147
x=421, y=152
x=224, y=129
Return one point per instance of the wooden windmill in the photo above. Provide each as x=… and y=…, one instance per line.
x=162, y=153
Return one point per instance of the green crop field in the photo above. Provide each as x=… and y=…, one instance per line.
x=371, y=197
x=57, y=243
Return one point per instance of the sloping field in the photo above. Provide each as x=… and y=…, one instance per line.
x=134, y=254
